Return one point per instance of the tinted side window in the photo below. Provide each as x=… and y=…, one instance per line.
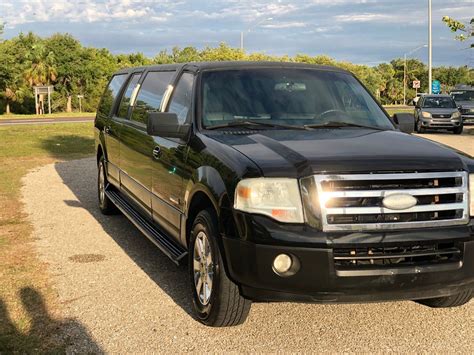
x=125, y=102
x=150, y=94
x=182, y=98
x=111, y=93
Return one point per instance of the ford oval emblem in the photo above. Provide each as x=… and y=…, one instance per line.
x=399, y=201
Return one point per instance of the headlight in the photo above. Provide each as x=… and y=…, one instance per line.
x=278, y=198
x=456, y=115
x=471, y=194
x=426, y=114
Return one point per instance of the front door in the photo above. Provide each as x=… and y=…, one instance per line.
x=169, y=164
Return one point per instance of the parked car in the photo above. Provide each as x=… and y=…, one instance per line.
x=437, y=112
x=464, y=98
x=284, y=182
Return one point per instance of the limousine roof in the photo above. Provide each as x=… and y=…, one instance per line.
x=197, y=66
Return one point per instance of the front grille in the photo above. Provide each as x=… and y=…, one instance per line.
x=356, y=202
x=396, y=256
x=441, y=115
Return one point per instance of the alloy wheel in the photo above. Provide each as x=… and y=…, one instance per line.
x=203, y=268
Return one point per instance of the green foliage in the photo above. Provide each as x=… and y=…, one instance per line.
x=458, y=26
x=62, y=61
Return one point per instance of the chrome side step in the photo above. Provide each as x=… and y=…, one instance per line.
x=169, y=247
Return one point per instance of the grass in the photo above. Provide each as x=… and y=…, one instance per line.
x=28, y=304
x=392, y=110
x=53, y=115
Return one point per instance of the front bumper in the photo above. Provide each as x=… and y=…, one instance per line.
x=249, y=264
x=468, y=119
x=440, y=123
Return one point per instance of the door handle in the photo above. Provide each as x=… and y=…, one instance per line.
x=157, y=152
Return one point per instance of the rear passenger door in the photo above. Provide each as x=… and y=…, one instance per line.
x=169, y=168
x=136, y=149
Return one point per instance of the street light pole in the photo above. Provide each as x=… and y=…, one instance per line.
x=249, y=29
x=430, y=50
x=405, y=71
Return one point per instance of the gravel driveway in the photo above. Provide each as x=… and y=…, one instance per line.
x=131, y=298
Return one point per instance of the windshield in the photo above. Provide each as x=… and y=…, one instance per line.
x=287, y=98
x=439, y=102
x=467, y=95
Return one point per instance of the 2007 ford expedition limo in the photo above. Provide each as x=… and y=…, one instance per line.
x=284, y=182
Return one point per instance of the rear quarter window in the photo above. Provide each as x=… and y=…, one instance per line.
x=111, y=93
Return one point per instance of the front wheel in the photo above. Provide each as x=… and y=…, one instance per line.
x=216, y=299
x=456, y=300
x=419, y=127
x=458, y=130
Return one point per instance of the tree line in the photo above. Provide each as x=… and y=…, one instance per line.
x=72, y=69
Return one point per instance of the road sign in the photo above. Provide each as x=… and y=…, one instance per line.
x=416, y=84
x=435, y=87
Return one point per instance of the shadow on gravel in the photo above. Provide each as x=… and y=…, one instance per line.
x=45, y=333
x=80, y=177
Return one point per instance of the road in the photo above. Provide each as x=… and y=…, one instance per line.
x=128, y=297
x=16, y=122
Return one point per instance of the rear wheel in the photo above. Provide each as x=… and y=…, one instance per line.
x=217, y=300
x=105, y=205
x=449, y=301
x=458, y=130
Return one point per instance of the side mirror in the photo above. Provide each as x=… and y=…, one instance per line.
x=405, y=122
x=166, y=124
x=459, y=107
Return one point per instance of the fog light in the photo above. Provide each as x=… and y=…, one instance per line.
x=282, y=264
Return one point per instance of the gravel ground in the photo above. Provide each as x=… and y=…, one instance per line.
x=128, y=297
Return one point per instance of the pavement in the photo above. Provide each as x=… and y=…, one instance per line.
x=126, y=296
x=16, y=122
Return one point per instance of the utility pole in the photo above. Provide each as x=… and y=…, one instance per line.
x=249, y=29
x=405, y=71
x=430, y=50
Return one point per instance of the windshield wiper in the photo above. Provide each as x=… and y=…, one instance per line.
x=332, y=124
x=239, y=123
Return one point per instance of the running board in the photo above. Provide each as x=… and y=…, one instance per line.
x=169, y=247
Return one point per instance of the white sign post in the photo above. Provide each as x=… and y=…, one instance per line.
x=416, y=85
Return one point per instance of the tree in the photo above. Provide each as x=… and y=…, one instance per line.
x=41, y=65
x=69, y=66
x=458, y=26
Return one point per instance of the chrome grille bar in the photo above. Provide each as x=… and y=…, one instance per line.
x=458, y=208
x=384, y=193
x=382, y=210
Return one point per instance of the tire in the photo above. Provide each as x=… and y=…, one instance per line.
x=105, y=205
x=458, y=130
x=449, y=301
x=419, y=127
x=221, y=305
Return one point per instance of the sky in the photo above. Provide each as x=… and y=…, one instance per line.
x=360, y=31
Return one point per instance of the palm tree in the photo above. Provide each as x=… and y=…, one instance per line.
x=41, y=70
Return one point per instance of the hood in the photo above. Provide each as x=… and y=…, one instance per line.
x=300, y=153
x=441, y=111
x=465, y=104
